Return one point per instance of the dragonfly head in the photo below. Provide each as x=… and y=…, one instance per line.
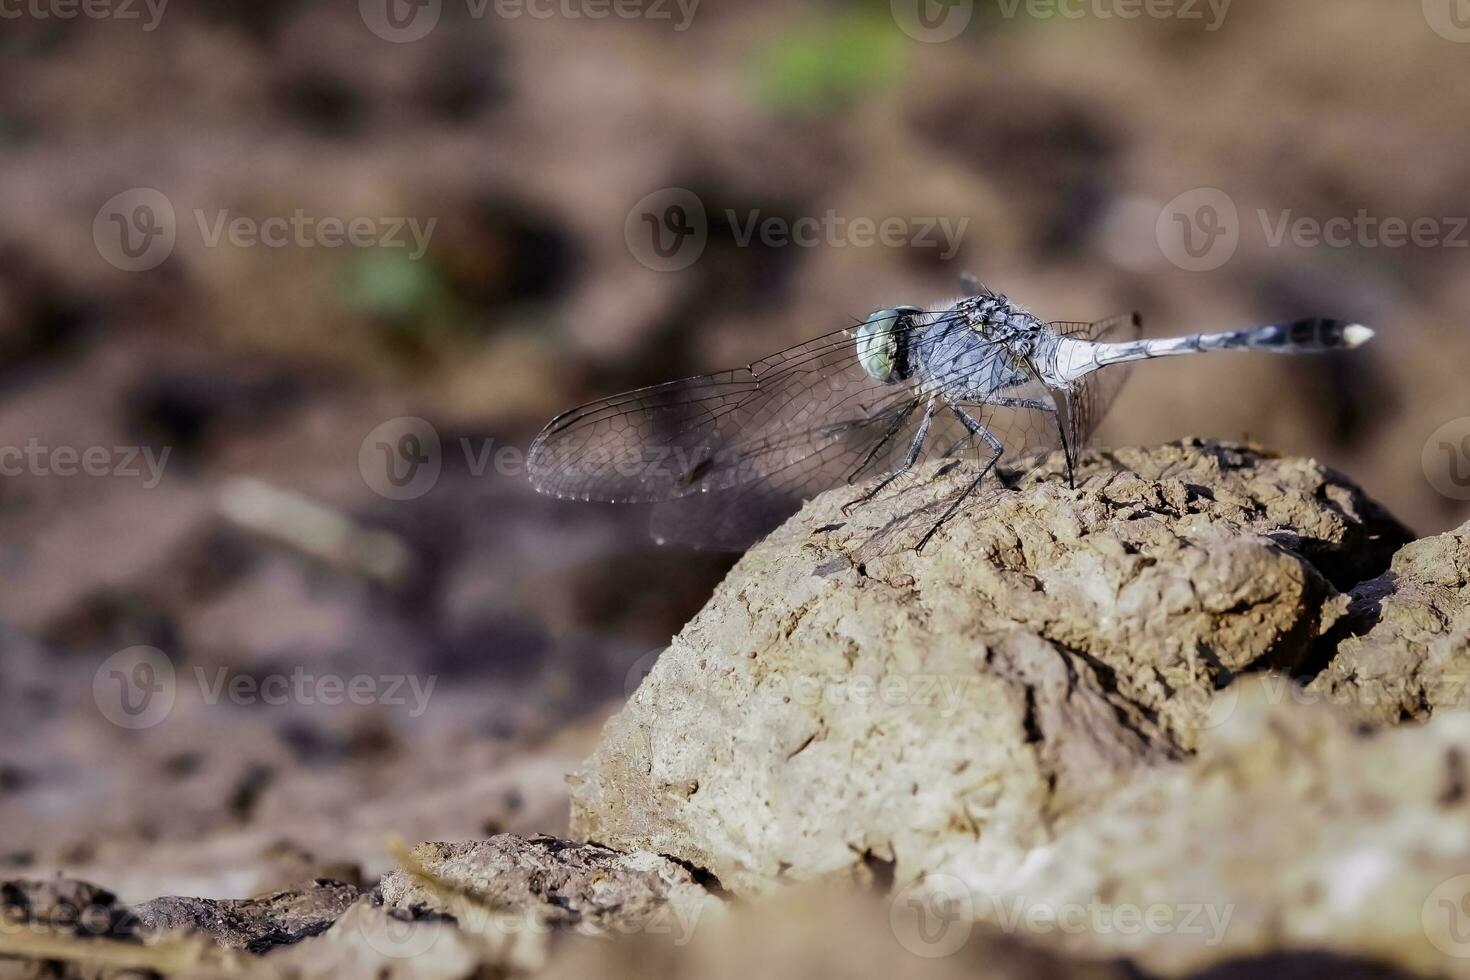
x=883, y=344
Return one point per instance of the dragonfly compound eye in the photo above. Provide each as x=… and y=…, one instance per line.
x=882, y=344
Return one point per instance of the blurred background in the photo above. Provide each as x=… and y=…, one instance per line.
x=286, y=288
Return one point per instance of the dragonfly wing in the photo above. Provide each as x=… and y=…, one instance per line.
x=1095, y=393
x=777, y=420
x=737, y=517
x=640, y=446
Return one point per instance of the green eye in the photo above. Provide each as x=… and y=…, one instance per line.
x=878, y=343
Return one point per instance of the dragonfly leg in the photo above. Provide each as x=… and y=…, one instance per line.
x=887, y=437
x=908, y=462
x=1006, y=401
x=998, y=450
x=1062, y=427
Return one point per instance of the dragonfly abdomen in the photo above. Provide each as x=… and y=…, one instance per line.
x=1073, y=359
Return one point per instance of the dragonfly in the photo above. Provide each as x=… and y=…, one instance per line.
x=724, y=458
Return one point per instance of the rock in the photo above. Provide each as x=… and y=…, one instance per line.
x=1294, y=831
x=846, y=705
x=1413, y=655
x=368, y=941
x=66, y=905
x=551, y=883
x=254, y=925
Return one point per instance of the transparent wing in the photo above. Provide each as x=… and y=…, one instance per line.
x=788, y=422
x=741, y=515
x=1097, y=392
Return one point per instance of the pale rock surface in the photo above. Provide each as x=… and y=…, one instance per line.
x=1294, y=830
x=846, y=705
x=1414, y=658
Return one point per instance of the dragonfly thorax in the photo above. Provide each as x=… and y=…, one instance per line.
x=883, y=344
